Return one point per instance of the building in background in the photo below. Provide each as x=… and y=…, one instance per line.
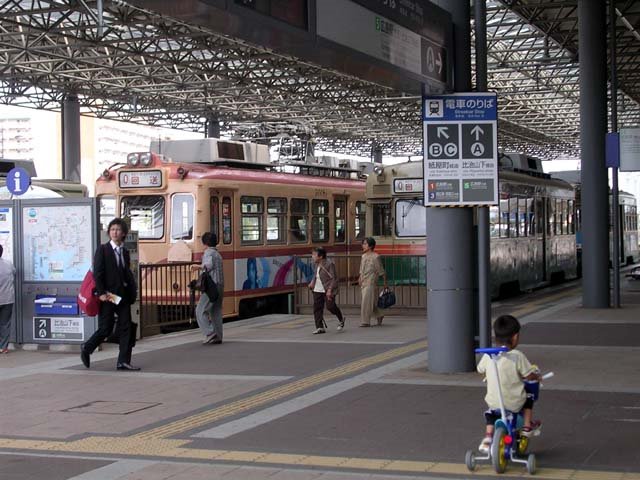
x=28, y=134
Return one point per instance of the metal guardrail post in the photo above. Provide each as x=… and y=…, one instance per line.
x=141, y=296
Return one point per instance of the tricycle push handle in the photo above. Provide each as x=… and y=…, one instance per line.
x=492, y=350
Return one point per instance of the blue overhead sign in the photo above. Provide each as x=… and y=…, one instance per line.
x=18, y=181
x=460, y=149
x=460, y=107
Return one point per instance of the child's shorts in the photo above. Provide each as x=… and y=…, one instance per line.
x=492, y=415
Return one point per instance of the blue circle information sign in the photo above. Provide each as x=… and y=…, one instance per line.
x=18, y=181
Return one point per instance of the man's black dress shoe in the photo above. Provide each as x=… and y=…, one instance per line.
x=85, y=357
x=127, y=366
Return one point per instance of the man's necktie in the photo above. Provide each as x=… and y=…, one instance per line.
x=119, y=259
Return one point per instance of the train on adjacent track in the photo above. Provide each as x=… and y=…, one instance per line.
x=532, y=230
x=265, y=216
x=627, y=221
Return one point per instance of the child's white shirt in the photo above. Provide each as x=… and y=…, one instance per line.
x=513, y=367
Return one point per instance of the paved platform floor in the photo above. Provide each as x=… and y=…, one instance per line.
x=274, y=401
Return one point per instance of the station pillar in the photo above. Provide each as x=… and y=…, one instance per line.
x=71, y=159
x=450, y=249
x=593, y=128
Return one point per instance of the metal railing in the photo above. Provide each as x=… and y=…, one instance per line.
x=165, y=296
x=406, y=276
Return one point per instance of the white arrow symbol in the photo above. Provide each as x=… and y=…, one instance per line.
x=442, y=132
x=439, y=63
x=477, y=131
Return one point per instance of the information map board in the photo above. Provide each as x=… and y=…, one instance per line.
x=57, y=246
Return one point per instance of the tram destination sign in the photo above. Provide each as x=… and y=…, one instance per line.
x=140, y=179
x=460, y=149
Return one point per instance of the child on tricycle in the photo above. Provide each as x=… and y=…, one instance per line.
x=512, y=388
x=513, y=370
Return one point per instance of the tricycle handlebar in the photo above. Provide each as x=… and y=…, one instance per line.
x=492, y=350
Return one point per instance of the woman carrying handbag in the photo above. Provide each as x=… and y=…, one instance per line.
x=370, y=270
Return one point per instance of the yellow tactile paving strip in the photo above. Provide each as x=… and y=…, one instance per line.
x=155, y=444
x=174, y=449
x=198, y=420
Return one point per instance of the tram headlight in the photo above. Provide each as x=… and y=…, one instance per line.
x=145, y=159
x=378, y=170
x=133, y=159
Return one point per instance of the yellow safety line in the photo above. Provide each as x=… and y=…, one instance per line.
x=216, y=414
x=174, y=449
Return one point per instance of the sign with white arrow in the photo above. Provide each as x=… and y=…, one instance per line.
x=460, y=149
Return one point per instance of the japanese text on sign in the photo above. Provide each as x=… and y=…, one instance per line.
x=141, y=179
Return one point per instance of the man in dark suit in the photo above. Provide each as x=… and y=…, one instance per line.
x=117, y=290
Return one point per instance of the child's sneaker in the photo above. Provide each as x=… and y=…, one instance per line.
x=533, y=430
x=485, y=444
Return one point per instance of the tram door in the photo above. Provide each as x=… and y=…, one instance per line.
x=341, y=237
x=340, y=222
x=221, y=223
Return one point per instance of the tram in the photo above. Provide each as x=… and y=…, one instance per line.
x=532, y=230
x=627, y=221
x=264, y=215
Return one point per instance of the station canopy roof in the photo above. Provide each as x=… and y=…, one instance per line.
x=132, y=64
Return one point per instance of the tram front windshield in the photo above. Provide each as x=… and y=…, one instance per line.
x=146, y=214
x=411, y=218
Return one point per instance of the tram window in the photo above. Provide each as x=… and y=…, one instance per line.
x=539, y=216
x=531, y=217
x=276, y=220
x=214, y=215
x=381, y=219
x=360, y=219
x=107, y=212
x=410, y=218
x=182, y=217
x=320, y=220
x=251, y=209
x=299, y=218
x=227, y=237
x=504, y=218
x=513, y=217
x=522, y=217
x=551, y=216
x=494, y=221
x=570, y=214
x=340, y=221
x=146, y=213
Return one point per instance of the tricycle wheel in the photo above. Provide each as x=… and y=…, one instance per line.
x=470, y=460
x=499, y=450
x=523, y=444
x=531, y=464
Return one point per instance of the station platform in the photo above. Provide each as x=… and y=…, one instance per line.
x=274, y=401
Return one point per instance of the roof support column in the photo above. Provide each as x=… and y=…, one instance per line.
x=70, y=119
x=484, y=246
x=450, y=245
x=593, y=128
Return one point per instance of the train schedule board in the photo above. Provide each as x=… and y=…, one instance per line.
x=460, y=149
